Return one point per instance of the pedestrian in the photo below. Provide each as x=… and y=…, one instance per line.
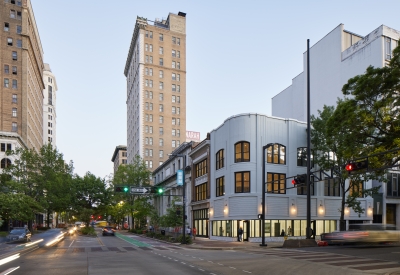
x=188, y=231
x=240, y=233
x=194, y=232
x=283, y=233
x=289, y=231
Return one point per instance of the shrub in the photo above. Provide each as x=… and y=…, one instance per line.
x=43, y=228
x=188, y=239
x=88, y=231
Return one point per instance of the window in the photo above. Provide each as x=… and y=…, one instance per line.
x=147, y=59
x=388, y=48
x=161, y=50
x=178, y=121
x=173, y=87
x=201, y=192
x=161, y=75
x=151, y=141
x=161, y=96
x=19, y=15
x=146, y=129
x=178, y=88
x=173, y=64
x=302, y=190
x=146, y=93
x=14, y=84
x=276, y=153
x=151, y=72
x=302, y=157
x=146, y=152
x=392, y=186
x=14, y=98
x=161, y=131
x=14, y=56
x=146, y=140
x=178, y=41
x=4, y=146
x=220, y=185
x=178, y=77
x=161, y=62
x=146, y=106
x=178, y=110
x=5, y=163
x=147, y=117
x=151, y=129
x=12, y=14
x=173, y=53
x=173, y=144
x=242, y=182
x=6, y=82
x=14, y=127
x=151, y=118
x=9, y=41
x=276, y=183
x=151, y=83
x=6, y=27
x=173, y=40
x=150, y=164
x=178, y=54
x=356, y=189
x=173, y=76
x=161, y=108
x=146, y=47
x=161, y=153
x=150, y=48
x=178, y=132
x=161, y=142
x=161, y=120
x=151, y=95
x=201, y=168
x=173, y=98
x=14, y=70
x=173, y=110
x=242, y=151
x=19, y=43
x=177, y=143
x=219, y=159
x=161, y=86
x=331, y=188
x=173, y=132
x=19, y=29
x=173, y=121
x=178, y=65
x=146, y=71
x=178, y=99
x=150, y=59
x=149, y=34
x=161, y=36
x=6, y=69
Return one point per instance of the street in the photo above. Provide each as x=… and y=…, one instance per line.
x=134, y=254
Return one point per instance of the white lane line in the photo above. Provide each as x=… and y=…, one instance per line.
x=246, y=271
x=232, y=267
x=201, y=269
x=200, y=259
x=210, y=261
x=71, y=243
x=183, y=263
x=191, y=265
x=219, y=264
x=8, y=271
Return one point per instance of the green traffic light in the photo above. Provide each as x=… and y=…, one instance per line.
x=160, y=190
x=126, y=189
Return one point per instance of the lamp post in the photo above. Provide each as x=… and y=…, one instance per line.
x=263, y=196
x=183, y=196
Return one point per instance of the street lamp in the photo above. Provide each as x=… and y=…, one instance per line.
x=263, y=196
x=183, y=196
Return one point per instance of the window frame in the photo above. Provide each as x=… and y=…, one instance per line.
x=240, y=183
x=270, y=183
x=271, y=154
x=220, y=186
x=220, y=159
x=240, y=156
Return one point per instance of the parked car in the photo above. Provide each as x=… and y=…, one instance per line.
x=19, y=234
x=108, y=230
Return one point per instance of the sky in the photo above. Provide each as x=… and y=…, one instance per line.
x=240, y=54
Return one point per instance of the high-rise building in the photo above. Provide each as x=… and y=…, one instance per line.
x=49, y=106
x=21, y=93
x=119, y=157
x=156, y=89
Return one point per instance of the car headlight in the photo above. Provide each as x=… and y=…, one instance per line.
x=71, y=231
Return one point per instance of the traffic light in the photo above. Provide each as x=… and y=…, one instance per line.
x=352, y=166
x=300, y=179
x=157, y=190
x=121, y=189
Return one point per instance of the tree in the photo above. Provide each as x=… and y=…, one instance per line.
x=135, y=174
x=371, y=110
x=332, y=151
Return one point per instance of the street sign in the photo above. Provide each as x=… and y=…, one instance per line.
x=138, y=190
x=179, y=177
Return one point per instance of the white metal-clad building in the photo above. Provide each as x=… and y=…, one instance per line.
x=236, y=181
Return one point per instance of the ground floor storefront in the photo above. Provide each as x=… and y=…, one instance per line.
x=273, y=228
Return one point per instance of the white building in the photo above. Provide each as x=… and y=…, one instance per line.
x=49, y=106
x=236, y=181
x=334, y=59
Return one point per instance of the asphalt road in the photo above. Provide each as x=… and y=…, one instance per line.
x=129, y=254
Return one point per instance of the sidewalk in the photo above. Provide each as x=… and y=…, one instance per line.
x=204, y=243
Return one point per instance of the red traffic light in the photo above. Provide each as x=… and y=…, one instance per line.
x=350, y=167
x=295, y=181
x=356, y=165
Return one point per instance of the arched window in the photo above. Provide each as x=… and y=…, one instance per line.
x=276, y=153
x=242, y=151
x=5, y=163
x=220, y=159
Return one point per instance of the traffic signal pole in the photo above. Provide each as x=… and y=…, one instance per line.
x=308, y=233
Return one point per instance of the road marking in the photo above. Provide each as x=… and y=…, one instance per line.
x=71, y=243
x=8, y=271
x=201, y=269
x=219, y=264
x=183, y=263
x=191, y=265
x=232, y=267
x=246, y=271
x=200, y=259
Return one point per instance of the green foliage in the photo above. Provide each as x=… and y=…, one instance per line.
x=187, y=238
x=171, y=218
x=88, y=230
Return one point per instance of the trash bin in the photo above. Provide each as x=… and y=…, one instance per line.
x=162, y=232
